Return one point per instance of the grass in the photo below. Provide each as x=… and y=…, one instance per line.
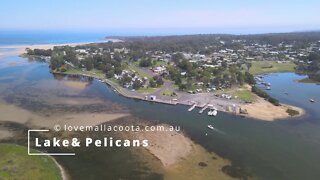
x=160, y=63
x=245, y=95
x=167, y=92
x=139, y=71
x=148, y=90
x=242, y=93
x=261, y=67
x=94, y=72
x=16, y=164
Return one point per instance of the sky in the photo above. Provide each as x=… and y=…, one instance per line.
x=161, y=16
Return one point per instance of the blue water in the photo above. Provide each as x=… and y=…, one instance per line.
x=50, y=37
x=287, y=89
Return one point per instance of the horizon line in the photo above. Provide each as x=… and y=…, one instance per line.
x=135, y=33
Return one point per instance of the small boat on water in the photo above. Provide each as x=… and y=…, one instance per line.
x=268, y=88
x=312, y=100
x=210, y=127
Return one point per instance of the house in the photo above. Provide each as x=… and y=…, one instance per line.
x=159, y=69
x=183, y=73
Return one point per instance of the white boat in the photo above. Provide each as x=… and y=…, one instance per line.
x=210, y=127
x=214, y=112
x=312, y=100
x=268, y=88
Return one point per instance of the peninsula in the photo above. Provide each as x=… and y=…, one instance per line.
x=223, y=72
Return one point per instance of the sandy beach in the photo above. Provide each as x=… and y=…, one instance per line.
x=169, y=147
x=180, y=156
x=20, y=49
x=264, y=110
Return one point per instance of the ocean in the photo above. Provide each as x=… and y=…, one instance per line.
x=48, y=37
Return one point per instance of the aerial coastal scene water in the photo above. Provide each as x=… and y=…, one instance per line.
x=159, y=93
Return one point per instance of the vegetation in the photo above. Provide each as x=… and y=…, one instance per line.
x=261, y=67
x=148, y=90
x=146, y=62
x=292, y=112
x=156, y=81
x=39, y=52
x=311, y=66
x=245, y=95
x=168, y=92
x=235, y=172
x=264, y=95
x=193, y=62
x=139, y=71
x=308, y=80
x=16, y=164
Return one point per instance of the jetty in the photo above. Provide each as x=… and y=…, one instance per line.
x=192, y=107
x=204, y=108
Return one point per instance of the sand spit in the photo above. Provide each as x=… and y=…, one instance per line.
x=264, y=110
x=180, y=157
x=20, y=49
x=169, y=147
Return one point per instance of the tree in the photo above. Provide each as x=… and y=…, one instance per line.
x=240, y=78
x=56, y=61
x=145, y=62
x=182, y=87
x=152, y=83
x=71, y=57
x=159, y=80
x=88, y=63
x=177, y=57
x=137, y=84
x=110, y=73
x=248, y=78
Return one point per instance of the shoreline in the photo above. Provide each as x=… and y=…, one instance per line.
x=257, y=107
x=264, y=110
x=19, y=49
x=63, y=173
